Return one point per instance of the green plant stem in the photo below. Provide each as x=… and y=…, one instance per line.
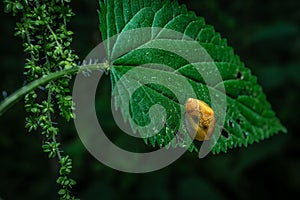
x=49, y=99
x=55, y=37
x=17, y=95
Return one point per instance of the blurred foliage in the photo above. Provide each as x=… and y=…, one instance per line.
x=267, y=38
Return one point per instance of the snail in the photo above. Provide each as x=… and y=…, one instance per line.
x=200, y=119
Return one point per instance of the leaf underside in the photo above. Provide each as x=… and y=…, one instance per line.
x=249, y=117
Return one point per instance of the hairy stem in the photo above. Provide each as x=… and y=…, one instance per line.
x=17, y=95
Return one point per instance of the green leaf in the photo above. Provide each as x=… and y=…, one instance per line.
x=249, y=117
x=19, y=6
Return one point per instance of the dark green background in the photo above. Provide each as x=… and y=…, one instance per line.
x=267, y=38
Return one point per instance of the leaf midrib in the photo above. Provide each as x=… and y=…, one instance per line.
x=233, y=99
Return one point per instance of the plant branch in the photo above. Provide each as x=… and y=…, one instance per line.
x=16, y=96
